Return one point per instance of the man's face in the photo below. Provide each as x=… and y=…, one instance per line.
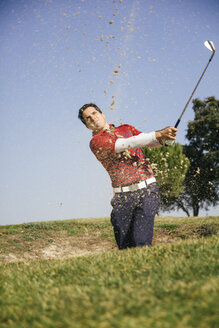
x=94, y=120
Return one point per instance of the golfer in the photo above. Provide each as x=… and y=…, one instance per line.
x=136, y=194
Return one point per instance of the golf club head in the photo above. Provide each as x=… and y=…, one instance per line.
x=210, y=45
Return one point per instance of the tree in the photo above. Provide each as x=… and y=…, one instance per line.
x=170, y=166
x=201, y=183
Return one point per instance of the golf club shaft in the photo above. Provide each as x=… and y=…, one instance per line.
x=179, y=119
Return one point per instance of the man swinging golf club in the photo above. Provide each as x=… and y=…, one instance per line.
x=119, y=150
x=136, y=196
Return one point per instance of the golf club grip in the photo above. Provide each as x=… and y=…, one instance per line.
x=177, y=123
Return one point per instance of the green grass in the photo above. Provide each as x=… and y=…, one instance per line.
x=169, y=285
x=169, y=226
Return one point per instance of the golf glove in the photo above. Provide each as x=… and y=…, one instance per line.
x=167, y=142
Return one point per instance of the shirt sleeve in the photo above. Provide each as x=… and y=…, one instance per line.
x=137, y=141
x=135, y=132
x=103, y=146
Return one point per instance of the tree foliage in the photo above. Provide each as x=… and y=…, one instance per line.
x=170, y=166
x=201, y=183
x=188, y=176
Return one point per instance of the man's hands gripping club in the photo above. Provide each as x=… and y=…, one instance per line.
x=166, y=136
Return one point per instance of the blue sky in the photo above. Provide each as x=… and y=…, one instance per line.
x=57, y=56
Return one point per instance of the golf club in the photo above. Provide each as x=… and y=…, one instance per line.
x=210, y=45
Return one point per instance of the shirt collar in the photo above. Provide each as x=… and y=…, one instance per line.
x=111, y=129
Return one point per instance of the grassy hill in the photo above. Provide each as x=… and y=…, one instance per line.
x=70, y=274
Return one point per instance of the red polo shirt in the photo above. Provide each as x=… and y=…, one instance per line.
x=124, y=168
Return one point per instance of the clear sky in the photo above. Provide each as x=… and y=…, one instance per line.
x=57, y=55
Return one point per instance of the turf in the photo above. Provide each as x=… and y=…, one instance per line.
x=169, y=285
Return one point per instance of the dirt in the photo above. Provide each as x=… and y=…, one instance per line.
x=63, y=246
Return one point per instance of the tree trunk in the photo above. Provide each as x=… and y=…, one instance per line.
x=186, y=211
x=181, y=205
x=195, y=209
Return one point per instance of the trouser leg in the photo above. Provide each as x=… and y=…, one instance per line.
x=143, y=220
x=121, y=219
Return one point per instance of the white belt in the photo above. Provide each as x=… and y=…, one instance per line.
x=135, y=186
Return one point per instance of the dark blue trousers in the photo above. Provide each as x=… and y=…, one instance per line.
x=133, y=215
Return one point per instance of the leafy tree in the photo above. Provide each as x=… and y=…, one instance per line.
x=170, y=166
x=201, y=183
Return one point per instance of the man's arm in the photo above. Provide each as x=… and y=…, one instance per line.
x=152, y=139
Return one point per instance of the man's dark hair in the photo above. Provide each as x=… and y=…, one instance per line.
x=82, y=109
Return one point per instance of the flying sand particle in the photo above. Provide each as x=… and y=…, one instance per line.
x=115, y=71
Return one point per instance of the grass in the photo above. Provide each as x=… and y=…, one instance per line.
x=169, y=226
x=169, y=285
